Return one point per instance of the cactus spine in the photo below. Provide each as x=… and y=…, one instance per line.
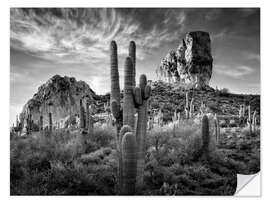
x=141, y=93
x=129, y=163
x=205, y=136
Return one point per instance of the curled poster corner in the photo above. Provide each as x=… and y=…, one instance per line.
x=248, y=185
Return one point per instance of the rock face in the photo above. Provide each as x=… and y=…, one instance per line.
x=191, y=63
x=60, y=96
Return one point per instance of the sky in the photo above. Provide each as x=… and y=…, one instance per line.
x=75, y=42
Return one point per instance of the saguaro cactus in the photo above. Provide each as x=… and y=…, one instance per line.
x=254, y=122
x=249, y=121
x=129, y=163
x=132, y=55
x=191, y=109
x=87, y=115
x=187, y=107
x=90, y=121
x=205, y=135
x=141, y=93
x=217, y=129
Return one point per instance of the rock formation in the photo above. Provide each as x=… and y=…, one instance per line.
x=191, y=63
x=60, y=96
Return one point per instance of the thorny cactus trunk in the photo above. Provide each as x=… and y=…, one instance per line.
x=205, y=136
x=141, y=93
x=129, y=163
x=217, y=129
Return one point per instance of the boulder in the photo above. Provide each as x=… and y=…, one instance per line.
x=191, y=64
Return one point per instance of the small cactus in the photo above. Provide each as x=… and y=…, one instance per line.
x=205, y=136
x=217, y=129
x=187, y=106
x=40, y=123
x=249, y=121
x=254, y=122
x=129, y=163
x=191, y=109
x=82, y=116
x=87, y=115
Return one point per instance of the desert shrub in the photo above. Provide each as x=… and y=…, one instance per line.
x=224, y=92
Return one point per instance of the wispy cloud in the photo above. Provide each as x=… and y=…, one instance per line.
x=83, y=35
x=234, y=72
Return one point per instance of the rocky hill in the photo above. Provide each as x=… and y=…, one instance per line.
x=170, y=98
x=60, y=96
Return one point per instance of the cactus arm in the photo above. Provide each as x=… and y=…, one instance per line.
x=132, y=54
x=115, y=88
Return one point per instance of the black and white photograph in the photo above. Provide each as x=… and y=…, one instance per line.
x=134, y=101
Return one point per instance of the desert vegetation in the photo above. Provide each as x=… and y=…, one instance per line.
x=150, y=144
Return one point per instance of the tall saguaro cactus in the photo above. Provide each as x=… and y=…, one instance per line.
x=131, y=148
x=142, y=94
x=129, y=163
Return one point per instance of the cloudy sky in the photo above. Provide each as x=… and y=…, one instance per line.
x=75, y=42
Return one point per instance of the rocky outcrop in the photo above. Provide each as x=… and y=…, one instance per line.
x=191, y=63
x=60, y=96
